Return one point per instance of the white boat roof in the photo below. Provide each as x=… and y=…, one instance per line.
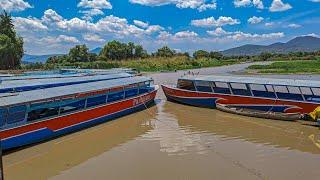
x=56, y=81
x=254, y=80
x=42, y=94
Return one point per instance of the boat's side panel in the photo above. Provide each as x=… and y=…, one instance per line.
x=265, y=104
x=50, y=128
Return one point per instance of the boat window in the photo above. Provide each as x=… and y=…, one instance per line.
x=259, y=90
x=143, y=88
x=3, y=116
x=43, y=110
x=290, y=92
x=115, y=96
x=203, y=86
x=186, y=84
x=131, y=91
x=72, y=106
x=222, y=88
x=97, y=100
x=311, y=94
x=16, y=114
x=240, y=89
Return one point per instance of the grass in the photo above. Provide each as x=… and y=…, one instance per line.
x=156, y=64
x=288, y=67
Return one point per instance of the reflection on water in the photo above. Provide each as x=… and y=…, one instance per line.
x=172, y=141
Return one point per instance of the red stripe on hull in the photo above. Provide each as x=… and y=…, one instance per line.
x=301, y=107
x=78, y=117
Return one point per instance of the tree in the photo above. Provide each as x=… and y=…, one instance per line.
x=114, y=50
x=265, y=56
x=165, y=51
x=215, y=55
x=11, y=46
x=79, y=53
x=139, y=52
x=201, y=54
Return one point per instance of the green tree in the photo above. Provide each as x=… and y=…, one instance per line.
x=265, y=56
x=215, y=55
x=114, y=50
x=79, y=53
x=165, y=51
x=139, y=52
x=11, y=45
x=201, y=54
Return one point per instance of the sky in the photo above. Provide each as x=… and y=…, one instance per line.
x=54, y=26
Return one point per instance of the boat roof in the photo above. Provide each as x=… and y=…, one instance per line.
x=25, y=84
x=254, y=80
x=42, y=94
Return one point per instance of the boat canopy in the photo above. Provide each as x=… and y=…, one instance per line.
x=255, y=80
x=32, y=84
x=9, y=99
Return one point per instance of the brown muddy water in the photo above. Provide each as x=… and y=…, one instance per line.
x=172, y=141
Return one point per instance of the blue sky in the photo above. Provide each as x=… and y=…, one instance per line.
x=53, y=26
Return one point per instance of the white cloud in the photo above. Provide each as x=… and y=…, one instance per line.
x=59, y=39
x=153, y=29
x=26, y=24
x=218, y=32
x=269, y=24
x=314, y=0
x=278, y=6
x=92, y=38
x=51, y=16
x=201, y=5
x=211, y=21
x=293, y=25
x=14, y=5
x=88, y=14
x=185, y=34
x=255, y=20
x=313, y=35
x=140, y=23
x=244, y=3
x=95, y=4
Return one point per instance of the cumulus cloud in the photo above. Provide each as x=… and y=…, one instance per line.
x=185, y=34
x=218, y=32
x=93, y=7
x=244, y=3
x=140, y=23
x=211, y=22
x=92, y=38
x=201, y=5
x=60, y=39
x=26, y=24
x=14, y=5
x=279, y=6
x=293, y=25
x=255, y=20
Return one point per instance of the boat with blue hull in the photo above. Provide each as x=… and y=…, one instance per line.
x=285, y=96
x=34, y=115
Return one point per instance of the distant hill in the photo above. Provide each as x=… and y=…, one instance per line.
x=27, y=58
x=303, y=43
x=96, y=50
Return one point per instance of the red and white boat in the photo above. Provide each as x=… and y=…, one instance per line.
x=31, y=112
x=260, y=94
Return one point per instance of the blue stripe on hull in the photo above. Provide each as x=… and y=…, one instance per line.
x=199, y=102
x=46, y=134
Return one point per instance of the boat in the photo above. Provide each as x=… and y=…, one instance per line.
x=287, y=96
x=39, y=113
x=260, y=114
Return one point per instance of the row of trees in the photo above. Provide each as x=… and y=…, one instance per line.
x=11, y=45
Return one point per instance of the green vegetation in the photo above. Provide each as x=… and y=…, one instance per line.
x=11, y=45
x=288, y=67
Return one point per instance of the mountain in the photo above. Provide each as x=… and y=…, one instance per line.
x=27, y=58
x=96, y=50
x=302, y=43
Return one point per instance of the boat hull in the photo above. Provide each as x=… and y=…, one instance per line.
x=235, y=101
x=50, y=128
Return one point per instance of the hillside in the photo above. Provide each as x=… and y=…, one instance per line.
x=303, y=43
